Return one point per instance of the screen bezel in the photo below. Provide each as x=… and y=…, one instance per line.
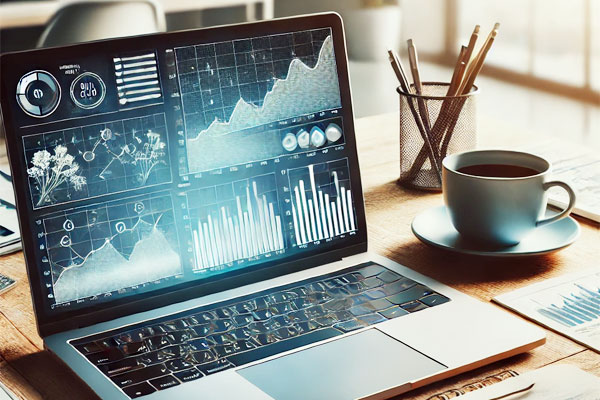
x=49, y=324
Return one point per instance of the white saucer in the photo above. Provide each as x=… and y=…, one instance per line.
x=433, y=226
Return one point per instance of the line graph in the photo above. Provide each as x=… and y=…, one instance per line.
x=103, y=248
x=321, y=201
x=230, y=90
x=109, y=157
x=235, y=222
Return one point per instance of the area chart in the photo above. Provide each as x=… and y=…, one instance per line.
x=233, y=92
x=96, y=250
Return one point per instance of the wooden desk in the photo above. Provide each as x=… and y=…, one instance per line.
x=33, y=373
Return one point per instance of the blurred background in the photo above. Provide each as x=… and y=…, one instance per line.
x=542, y=74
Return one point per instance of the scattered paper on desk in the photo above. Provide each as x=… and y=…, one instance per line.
x=577, y=166
x=6, y=283
x=569, y=304
x=10, y=236
x=553, y=382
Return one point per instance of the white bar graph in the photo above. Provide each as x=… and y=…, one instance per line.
x=246, y=224
x=325, y=209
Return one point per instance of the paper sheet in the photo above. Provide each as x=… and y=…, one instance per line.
x=569, y=304
x=553, y=382
x=577, y=166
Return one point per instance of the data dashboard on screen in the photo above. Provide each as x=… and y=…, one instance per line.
x=150, y=168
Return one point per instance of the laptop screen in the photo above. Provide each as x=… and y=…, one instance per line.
x=174, y=161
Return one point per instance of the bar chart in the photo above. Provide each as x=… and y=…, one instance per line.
x=235, y=221
x=321, y=199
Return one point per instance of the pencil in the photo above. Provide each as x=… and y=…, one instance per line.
x=413, y=59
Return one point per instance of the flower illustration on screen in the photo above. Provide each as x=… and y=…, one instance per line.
x=52, y=170
x=149, y=155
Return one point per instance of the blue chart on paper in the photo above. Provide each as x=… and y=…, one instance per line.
x=236, y=93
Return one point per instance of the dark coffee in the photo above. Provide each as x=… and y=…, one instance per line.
x=498, y=171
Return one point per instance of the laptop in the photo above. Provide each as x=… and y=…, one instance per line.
x=193, y=223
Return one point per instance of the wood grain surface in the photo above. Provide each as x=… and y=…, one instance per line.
x=33, y=373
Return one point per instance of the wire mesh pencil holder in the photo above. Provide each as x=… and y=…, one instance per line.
x=432, y=126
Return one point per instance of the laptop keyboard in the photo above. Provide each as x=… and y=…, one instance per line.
x=172, y=350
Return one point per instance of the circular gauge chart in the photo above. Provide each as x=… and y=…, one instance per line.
x=38, y=93
x=88, y=90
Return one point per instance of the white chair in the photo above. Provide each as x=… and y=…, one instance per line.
x=82, y=21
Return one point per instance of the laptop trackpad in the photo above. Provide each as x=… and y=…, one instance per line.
x=347, y=368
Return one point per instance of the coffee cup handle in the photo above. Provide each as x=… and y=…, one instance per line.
x=564, y=213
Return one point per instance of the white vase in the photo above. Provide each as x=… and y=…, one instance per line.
x=371, y=31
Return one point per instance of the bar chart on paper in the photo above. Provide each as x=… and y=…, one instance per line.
x=235, y=221
x=322, y=204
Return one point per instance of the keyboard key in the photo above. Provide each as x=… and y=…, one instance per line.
x=343, y=315
x=302, y=302
x=201, y=357
x=414, y=293
x=318, y=297
x=281, y=308
x=359, y=299
x=434, y=299
x=224, y=312
x=285, y=345
x=88, y=348
x=260, y=303
x=376, y=305
x=338, y=292
x=244, y=307
x=371, y=282
x=216, y=366
x=350, y=325
x=261, y=315
x=360, y=310
x=371, y=319
x=222, y=325
x=393, y=312
x=389, y=276
x=315, y=312
x=286, y=332
x=375, y=294
x=206, y=316
x=326, y=320
x=140, y=375
x=242, y=320
x=240, y=334
x=188, y=375
x=338, y=304
x=198, y=344
x=352, y=277
x=134, y=348
x=278, y=297
x=413, y=306
x=105, y=356
x=106, y=343
x=355, y=288
x=304, y=327
x=221, y=338
x=164, y=382
x=179, y=337
x=141, y=389
x=177, y=364
x=398, y=286
x=157, y=342
x=297, y=292
x=371, y=270
x=173, y=351
x=121, y=366
x=263, y=339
